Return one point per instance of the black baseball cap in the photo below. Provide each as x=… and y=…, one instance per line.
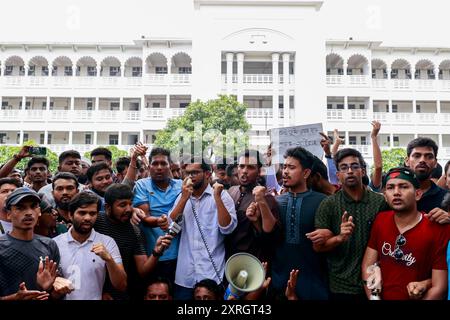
x=19, y=194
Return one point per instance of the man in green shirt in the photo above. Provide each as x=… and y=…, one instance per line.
x=343, y=223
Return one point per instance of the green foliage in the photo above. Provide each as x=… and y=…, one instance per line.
x=116, y=152
x=393, y=158
x=7, y=152
x=217, y=117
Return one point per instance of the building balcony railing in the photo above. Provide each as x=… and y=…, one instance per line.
x=93, y=82
x=69, y=115
x=385, y=117
x=82, y=148
x=394, y=84
x=258, y=79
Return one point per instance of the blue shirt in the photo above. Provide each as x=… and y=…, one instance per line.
x=160, y=202
x=193, y=262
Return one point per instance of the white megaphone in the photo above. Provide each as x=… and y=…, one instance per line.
x=245, y=273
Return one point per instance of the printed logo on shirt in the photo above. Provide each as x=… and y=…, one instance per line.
x=389, y=250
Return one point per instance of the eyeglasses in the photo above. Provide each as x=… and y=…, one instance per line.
x=353, y=166
x=193, y=173
x=399, y=242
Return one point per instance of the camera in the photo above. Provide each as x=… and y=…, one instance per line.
x=38, y=151
x=174, y=229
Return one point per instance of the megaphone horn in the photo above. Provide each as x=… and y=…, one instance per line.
x=245, y=273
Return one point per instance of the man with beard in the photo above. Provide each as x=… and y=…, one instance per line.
x=343, y=223
x=156, y=196
x=421, y=158
x=65, y=187
x=116, y=224
x=100, y=177
x=38, y=169
x=23, y=275
x=258, y=229
x=7, y=186
x=87, y=255
x=68, y=161
x=408, y=248
x=297, y=209
x=200, y=207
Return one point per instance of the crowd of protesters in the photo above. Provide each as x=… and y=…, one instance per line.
x=154, y=228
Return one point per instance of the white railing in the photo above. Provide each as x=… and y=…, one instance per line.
x=133, y=115
x=34, y=114
x=336, y=114
x=381, y=116
x=427, y=117
x=176, y=112
x=156, y=78
x=379, y=83
x=403, y=117
x=58, y=115
x=37, y=81
x=359, y=80
x=107, y=115
x=445, y=84
x=181, y=78
x=335, y=80
x=445, y=117
x=10, y=115
x=155, y=113
x=65, y=82
x=87, y=82
x=259, y=113
x=425, y=84
x=13, y=81
x=111, y=81
x=258, y=78
x=359, y=114
x=134, y=81
x=401, y=83
x=84, y=115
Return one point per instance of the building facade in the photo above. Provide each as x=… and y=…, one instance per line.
x=271, y=55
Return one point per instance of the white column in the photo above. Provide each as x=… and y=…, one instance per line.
x=45, y=137
x=99, y=69
x=72, y=103
x=440, y=141
x=391, y=140
x=97, y=104
x=95, y=138
x=167, y=101
x=21, y=138
x=347, y=139
x=122, y=70
x=275, y=93
x=414, y=105
x=345, y=66
x=74, y=70
x=345, y=102
x=2, y=70
x=26, y=67
x=47, y=103
x=240, y=76
x=436, y=74
x=390, y=105
x=120, y=138
x=141, y=135
x=229, y=57
x=50, y=71
x=286, y=106
x=71, y=139
x=121, y=104
x=388, y=71
x=24, y=101
x=169, y=70
x=438, y=106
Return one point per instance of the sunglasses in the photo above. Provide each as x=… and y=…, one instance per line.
x=399, y=242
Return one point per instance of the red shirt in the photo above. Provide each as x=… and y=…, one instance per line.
x=424, y=250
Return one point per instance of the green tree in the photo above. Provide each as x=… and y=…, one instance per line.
x=116, y=152
x=7, y=152
x=393, y=158
x=216, y=125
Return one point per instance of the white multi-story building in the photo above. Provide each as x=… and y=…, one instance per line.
x=272, y=55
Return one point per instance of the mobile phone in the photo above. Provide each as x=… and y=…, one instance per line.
x=38, y=151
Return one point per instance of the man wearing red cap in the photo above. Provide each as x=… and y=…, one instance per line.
x=410, y=249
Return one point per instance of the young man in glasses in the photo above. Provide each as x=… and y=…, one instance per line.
x=343, y=223
x=408, y=246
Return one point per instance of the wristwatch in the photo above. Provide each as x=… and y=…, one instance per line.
x=156, y=254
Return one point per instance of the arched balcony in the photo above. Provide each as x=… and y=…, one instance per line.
x=379, y=69
x=358, y=70
x=14, y=66
x=444, y=70
x=334, y=69
x=110, y=67
x=424, y=70
x=62, y=67
x=133, y=67
x=181, y=63
x=86, y=67
x=156, y=63
x=401, y=69
x=38, y=66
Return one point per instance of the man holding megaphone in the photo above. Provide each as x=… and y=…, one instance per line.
x=208, y=214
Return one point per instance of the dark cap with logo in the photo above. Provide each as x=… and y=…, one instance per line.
x=20, y=194
x=402, y=173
